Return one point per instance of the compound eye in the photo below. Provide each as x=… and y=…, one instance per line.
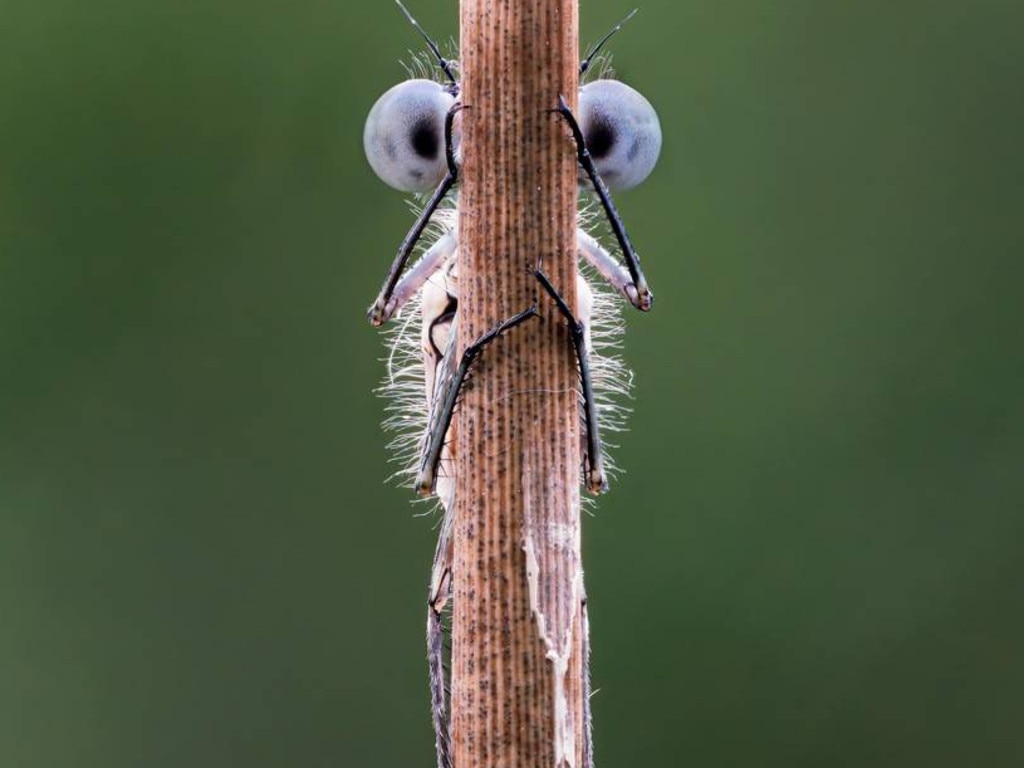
x=404, y=135
x=621, y=131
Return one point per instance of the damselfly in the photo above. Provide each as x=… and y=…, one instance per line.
x=411, y=140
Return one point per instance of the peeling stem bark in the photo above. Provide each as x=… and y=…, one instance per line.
x=517, y=666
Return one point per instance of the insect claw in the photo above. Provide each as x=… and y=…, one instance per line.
x=597, y=483
x=424, y=484
x=643, y=299
x=379, y=313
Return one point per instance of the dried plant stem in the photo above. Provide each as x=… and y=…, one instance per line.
x=517, y=666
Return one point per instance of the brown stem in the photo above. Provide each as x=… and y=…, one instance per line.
x=517, y=666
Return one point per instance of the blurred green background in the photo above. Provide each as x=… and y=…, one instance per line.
x=816, y=557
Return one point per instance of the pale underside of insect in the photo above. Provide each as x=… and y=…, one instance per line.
x=411, y=141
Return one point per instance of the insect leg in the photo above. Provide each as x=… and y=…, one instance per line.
x=644, y=297
x=378, y=313
x=588, y=729
x=435, y=257
x=611, y=270
x=440, y=594
x=438, y=702
x=595, y=477
x=442, y=416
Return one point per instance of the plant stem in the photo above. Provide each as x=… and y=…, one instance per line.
x=518, y=672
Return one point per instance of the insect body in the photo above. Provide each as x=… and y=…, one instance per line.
x=411, y=140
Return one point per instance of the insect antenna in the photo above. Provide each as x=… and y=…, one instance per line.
x=585, y=64
x=445, y=64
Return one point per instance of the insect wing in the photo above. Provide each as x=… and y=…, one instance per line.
x=439, y=365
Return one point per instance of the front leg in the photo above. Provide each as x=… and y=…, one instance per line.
x=644, y=298
x=378, y=311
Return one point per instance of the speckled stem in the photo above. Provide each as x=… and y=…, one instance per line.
x=517, y=667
